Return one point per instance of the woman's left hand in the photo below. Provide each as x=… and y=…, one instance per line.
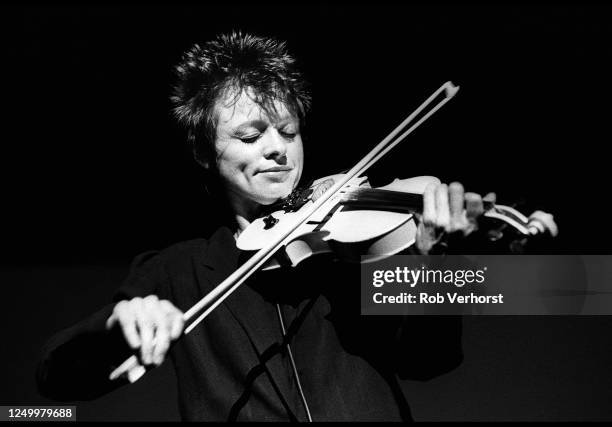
x=448, y=209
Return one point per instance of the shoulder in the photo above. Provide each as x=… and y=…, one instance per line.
x=182, y=258
x=156, y=258
x=157, y=271
x=182, y=250
x=177, y=255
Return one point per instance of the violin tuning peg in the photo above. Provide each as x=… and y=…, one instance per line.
x=536, y=227
x=495, y=235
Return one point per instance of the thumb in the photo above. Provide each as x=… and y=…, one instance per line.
x=111, y=321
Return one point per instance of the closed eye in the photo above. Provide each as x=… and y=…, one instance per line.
x=289, y=135
x=250, y=139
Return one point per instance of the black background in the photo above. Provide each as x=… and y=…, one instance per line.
x=95, y=170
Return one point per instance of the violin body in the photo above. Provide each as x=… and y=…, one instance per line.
x=352, y=234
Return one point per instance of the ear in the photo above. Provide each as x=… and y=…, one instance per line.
x=201, y=158
x=201, y=154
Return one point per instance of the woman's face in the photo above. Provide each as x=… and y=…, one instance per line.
x=259, y=157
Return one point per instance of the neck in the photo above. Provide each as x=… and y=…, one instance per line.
x=241, y=224
x=244, y=213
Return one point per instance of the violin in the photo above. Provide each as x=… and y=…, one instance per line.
x=339, y=214
x=360, y=223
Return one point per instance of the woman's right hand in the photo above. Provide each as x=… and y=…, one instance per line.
x=149, y=325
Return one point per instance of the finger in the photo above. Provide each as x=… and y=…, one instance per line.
x=425, y=238
x=111, y=321
x=429, y=205
x=154, y=319
x=114, y=317
x=175, y=319
x=442, y=208
x=473, y=206
x=456, y=199
x=130, y=333
x=177, y=326
x=162, y=336
x=546, y=221
x=490, y=197
x=127, y=323
x=146, y=329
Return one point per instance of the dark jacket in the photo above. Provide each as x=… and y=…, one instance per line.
x=234, y=366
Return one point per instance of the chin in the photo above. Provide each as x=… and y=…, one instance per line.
x=268, y=192
x=272, y=196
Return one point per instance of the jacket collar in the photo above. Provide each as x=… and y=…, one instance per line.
x=221, y=252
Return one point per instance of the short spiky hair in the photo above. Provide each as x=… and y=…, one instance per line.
x=234, y=62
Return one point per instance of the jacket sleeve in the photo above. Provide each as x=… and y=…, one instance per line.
x=76, y=362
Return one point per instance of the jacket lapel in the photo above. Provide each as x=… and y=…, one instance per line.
x=256, y=317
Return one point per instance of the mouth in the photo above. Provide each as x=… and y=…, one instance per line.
x=276, y=169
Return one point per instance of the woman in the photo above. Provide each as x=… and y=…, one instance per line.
x=289, y=345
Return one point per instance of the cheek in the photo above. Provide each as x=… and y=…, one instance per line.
x=296, y=151
x=237, y=163
x=298, y=156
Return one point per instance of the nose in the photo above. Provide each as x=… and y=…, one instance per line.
x=275, y=146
